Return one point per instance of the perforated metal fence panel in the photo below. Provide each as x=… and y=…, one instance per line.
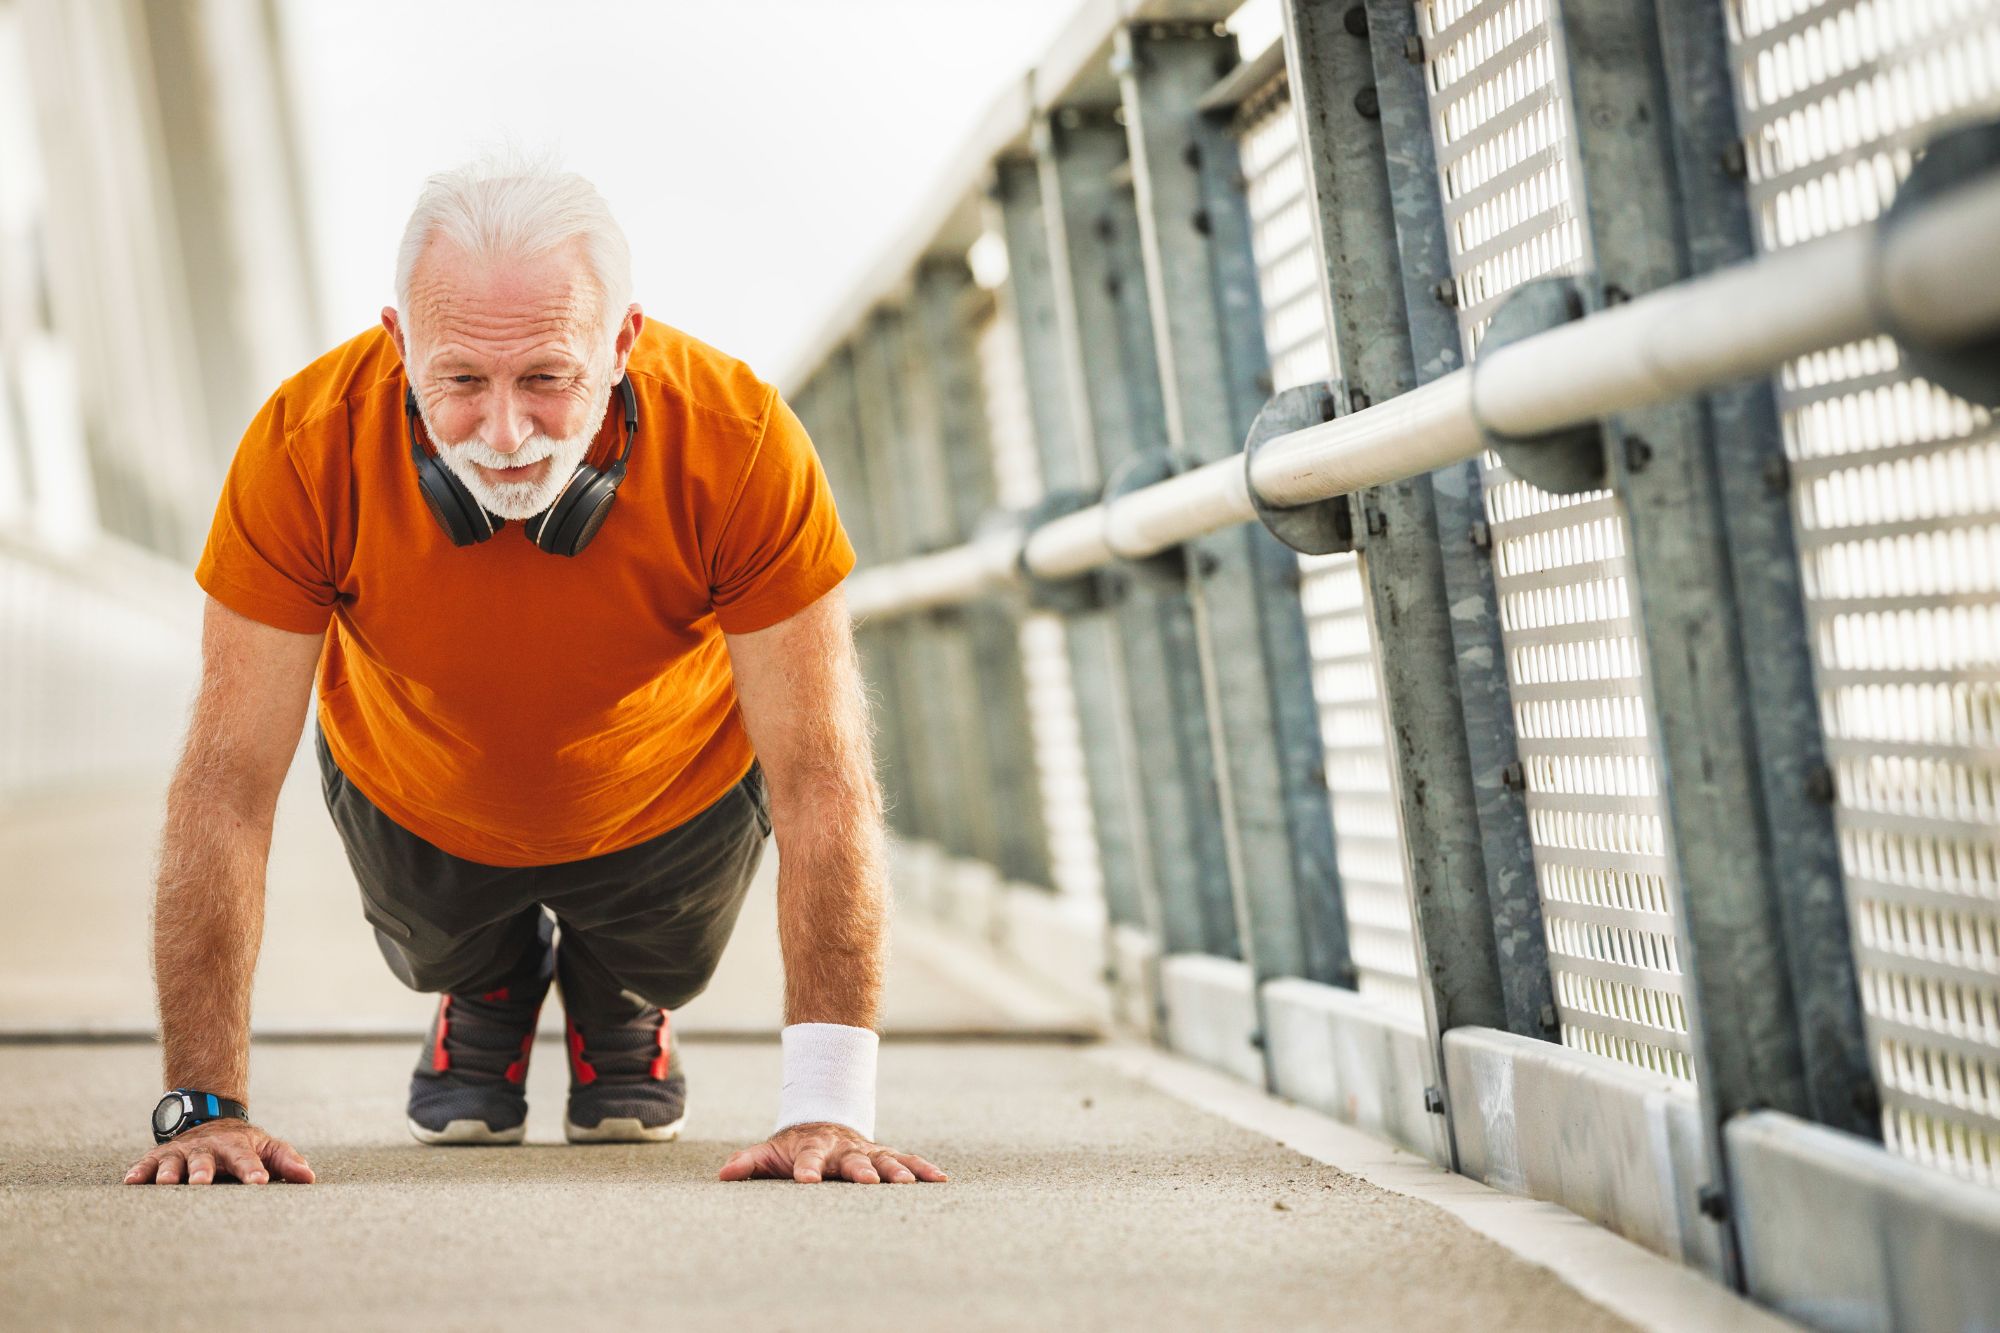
x=1897, y=497
x=1368, y=847
x=1052, y=716
x=1512, y=213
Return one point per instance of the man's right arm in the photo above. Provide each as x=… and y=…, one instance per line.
x=208, y=909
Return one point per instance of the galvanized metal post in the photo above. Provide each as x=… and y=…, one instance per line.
x=924, y=801
x=1107, y=360
x=1478, y=917
x=947, y=747
x=1131, y=885
x=1751, y=473
x=1067, y=466
x=1007, y=829
x=943, y=307
x=1747, y=1045
x=835, y=425
x=1201, y=280
x=930, y=338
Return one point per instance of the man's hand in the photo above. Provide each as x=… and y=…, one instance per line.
x=229, y=1146
x=809, y=1153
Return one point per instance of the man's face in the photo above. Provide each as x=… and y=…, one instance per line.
x=512, y=370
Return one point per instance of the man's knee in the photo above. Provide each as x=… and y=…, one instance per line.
x=596, y=963
x=666, y=953
x=474, y=964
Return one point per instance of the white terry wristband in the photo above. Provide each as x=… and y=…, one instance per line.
x=829, y=1075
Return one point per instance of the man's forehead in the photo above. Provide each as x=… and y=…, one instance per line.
x=548, y=299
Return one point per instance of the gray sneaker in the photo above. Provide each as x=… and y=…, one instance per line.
x=626, y=1084
x=469, y=1084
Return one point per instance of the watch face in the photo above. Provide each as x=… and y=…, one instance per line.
x=168, y=1113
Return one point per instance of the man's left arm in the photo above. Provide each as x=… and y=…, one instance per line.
x=800, y=690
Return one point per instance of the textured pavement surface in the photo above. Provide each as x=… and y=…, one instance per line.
x=1079, y=1199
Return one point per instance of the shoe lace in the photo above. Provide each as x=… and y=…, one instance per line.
x=483, y=1037
x=626, y=1052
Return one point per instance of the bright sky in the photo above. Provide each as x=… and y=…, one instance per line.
x=759, y=153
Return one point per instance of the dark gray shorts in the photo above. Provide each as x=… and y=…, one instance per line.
x=645, y=925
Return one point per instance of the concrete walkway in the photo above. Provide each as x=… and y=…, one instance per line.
x=1079, y=1199
x=1089, y=1189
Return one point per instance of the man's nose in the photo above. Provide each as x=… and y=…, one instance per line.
x=507, y=423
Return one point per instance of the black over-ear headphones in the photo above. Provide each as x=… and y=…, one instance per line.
x=564, y=528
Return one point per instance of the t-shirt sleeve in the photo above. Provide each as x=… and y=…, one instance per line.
x=266, y=552
x=781, y=547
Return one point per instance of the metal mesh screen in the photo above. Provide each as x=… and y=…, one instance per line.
x=1052, y=717
x=1897, y=496
x=1368, y=844
x=1498, y=91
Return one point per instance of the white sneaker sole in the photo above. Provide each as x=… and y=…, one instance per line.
x=622, y=1129
x=468, y=1133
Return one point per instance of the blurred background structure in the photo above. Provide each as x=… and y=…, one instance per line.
x=1625, y=838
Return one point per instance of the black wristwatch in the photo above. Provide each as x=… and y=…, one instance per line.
x=184, y=1108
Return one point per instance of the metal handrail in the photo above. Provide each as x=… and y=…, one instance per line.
x=1928, y=275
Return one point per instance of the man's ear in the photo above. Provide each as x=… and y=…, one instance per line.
x=395, y=327
x=628, y=337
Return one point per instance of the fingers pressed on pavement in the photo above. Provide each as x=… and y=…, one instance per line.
x=850, y=1161
x=752, y=1163
x=245, y=1165
x=287, y=1162
x=817, y=1157
x=203, y=1159
x=890, y=1168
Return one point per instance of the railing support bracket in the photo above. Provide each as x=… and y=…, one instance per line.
x=1092, y=591
x=1163, y=569
x=1564, y=461
x=1969, y=369
x=1320, y=528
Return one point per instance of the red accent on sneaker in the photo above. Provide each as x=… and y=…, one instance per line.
x=580, y=1068
x=440, y=1059
x=659, y=1069
x=495, y=996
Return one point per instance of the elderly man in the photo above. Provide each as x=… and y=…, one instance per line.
x=569, y=579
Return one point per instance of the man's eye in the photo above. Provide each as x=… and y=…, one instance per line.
x=465, y=379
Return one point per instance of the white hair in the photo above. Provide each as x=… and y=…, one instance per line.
x=506, y=206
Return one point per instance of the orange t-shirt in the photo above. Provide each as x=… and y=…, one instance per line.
x=513, y=707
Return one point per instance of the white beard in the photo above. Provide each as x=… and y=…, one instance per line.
x=520, y=499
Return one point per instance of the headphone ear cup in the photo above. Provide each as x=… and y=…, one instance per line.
x=463, y=518
x=567, y=526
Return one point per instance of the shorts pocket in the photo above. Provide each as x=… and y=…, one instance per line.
x=383, y=919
